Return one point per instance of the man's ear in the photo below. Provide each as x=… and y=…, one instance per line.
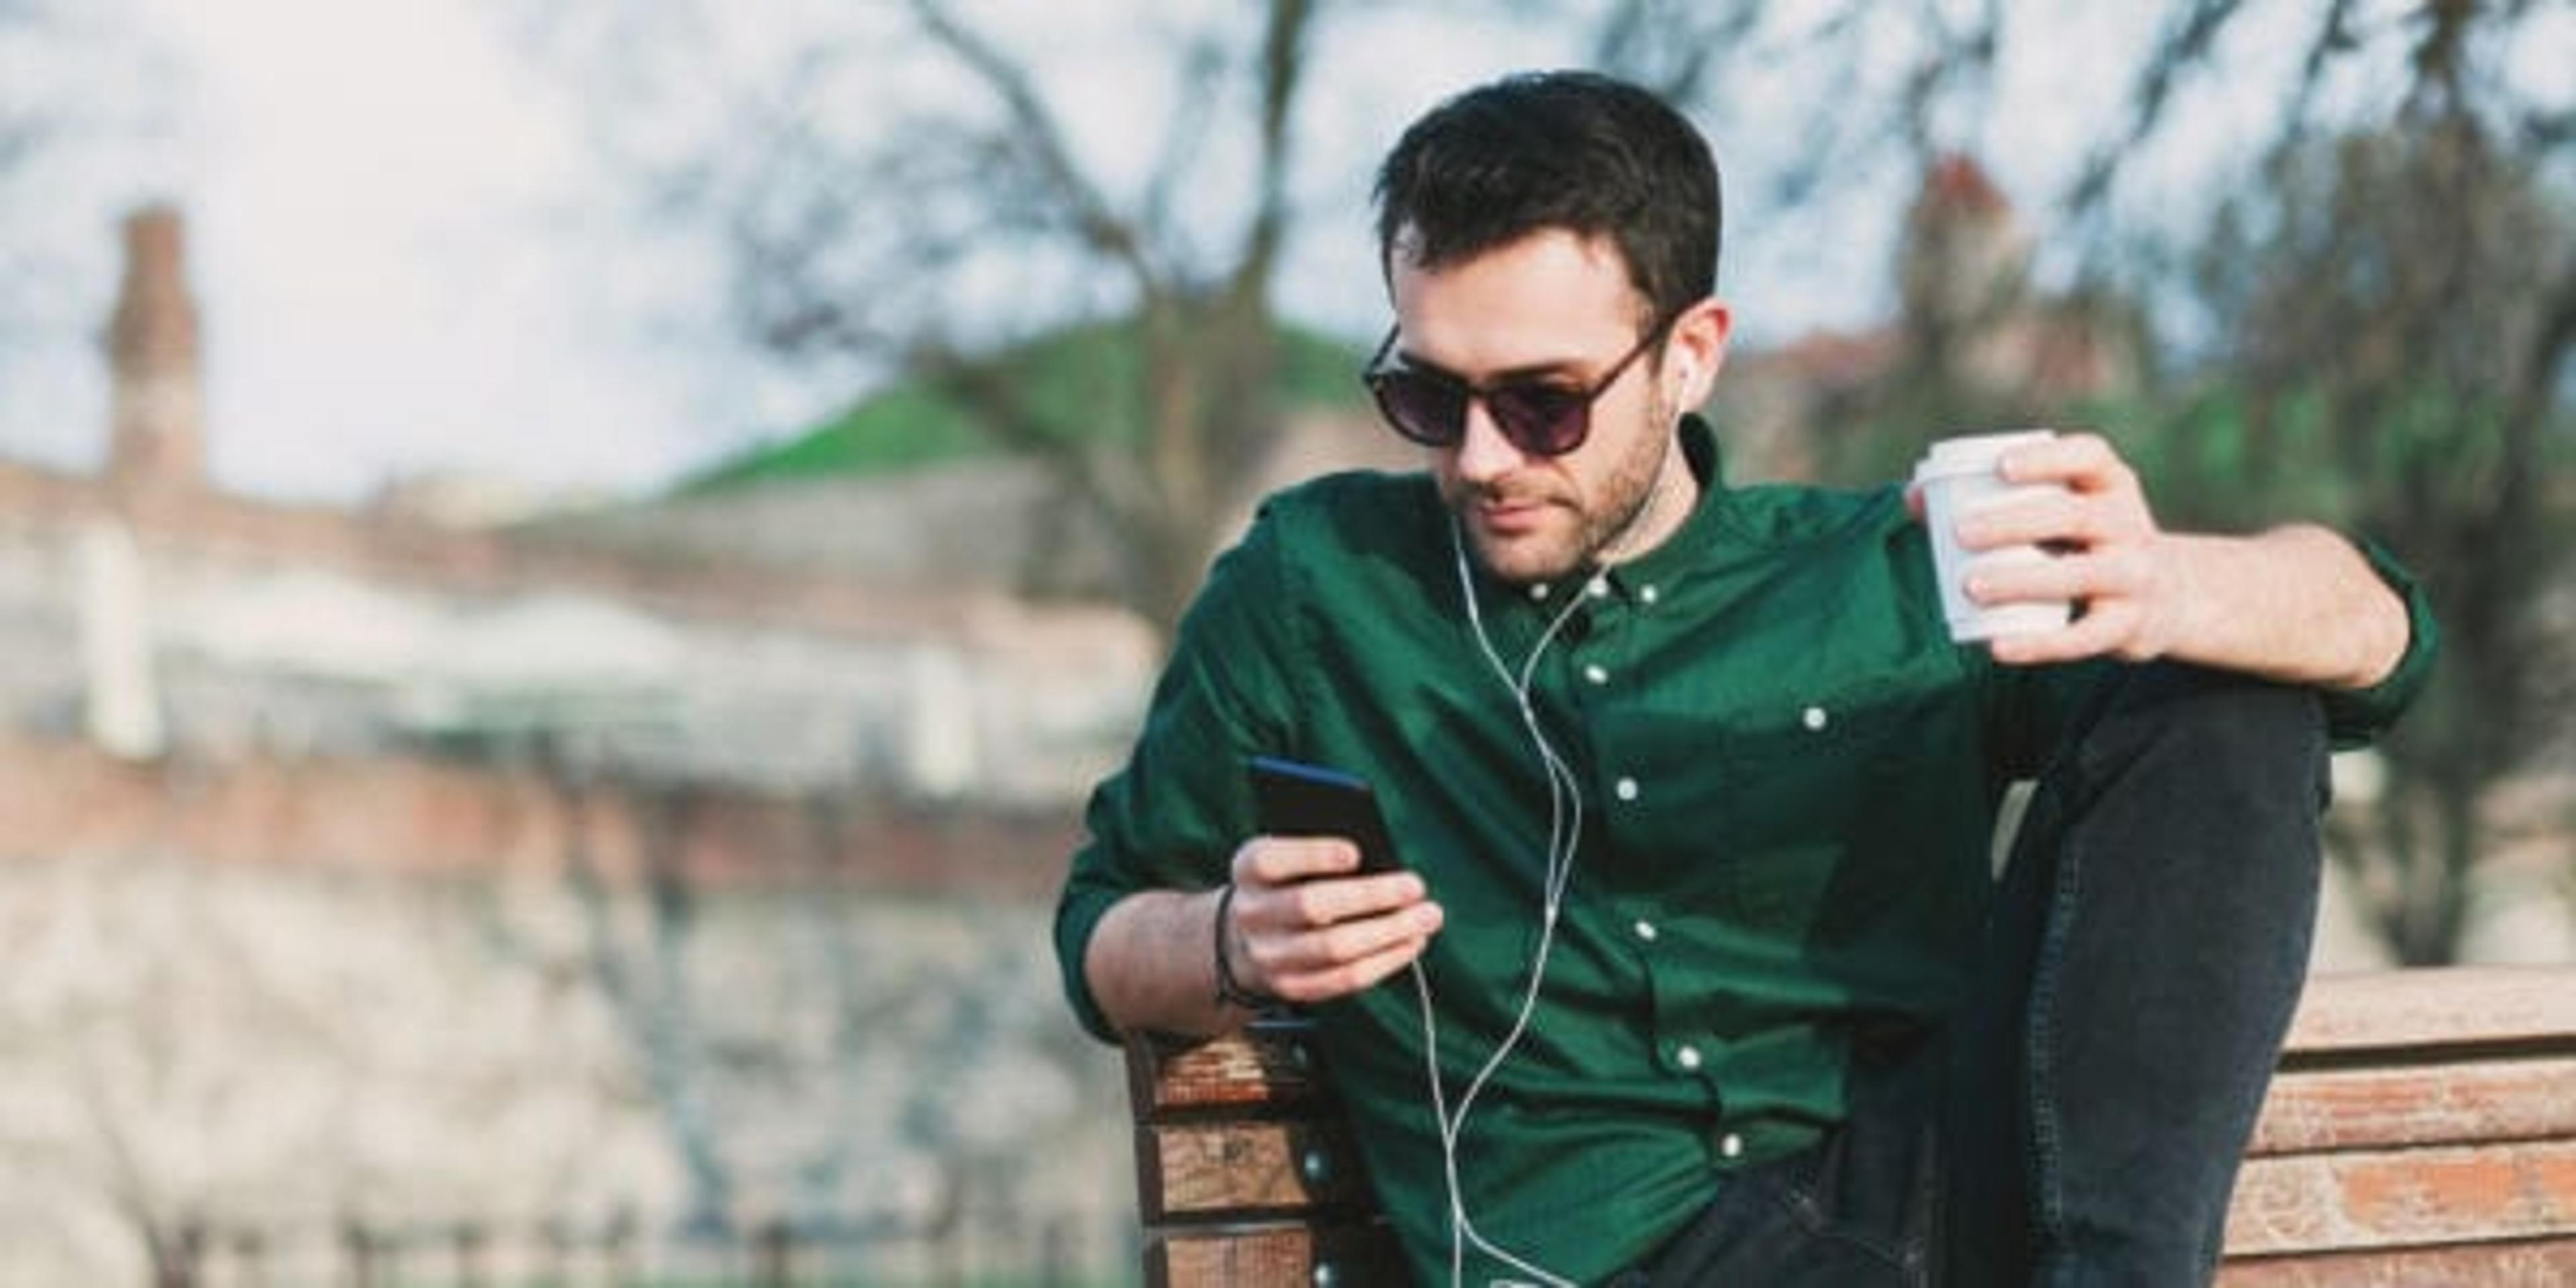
x=1699, y=349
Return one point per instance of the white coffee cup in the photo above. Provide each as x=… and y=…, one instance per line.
x=1960, y=477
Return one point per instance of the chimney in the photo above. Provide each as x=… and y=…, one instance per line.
x=1964, y=260
x=158, y=405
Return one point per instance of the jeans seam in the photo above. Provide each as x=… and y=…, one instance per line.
x=2047, y=1185
x=1809, y=1215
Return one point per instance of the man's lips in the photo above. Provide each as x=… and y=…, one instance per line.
x=1506, y=515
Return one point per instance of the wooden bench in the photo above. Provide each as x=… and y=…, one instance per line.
x=2422, y=1131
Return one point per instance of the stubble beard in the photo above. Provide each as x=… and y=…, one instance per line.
x=1597, y=530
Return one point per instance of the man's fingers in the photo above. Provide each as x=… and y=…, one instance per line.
x=2085, y=462
x=2029, y=519
x=1347, y=941
x=1307, y=928
x=2104, y=628
x=1326, y=900
x=1286, y=860
x=1341, y=977
x=1318, y=962
x=2116, y=574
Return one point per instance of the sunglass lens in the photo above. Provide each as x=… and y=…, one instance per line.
x=1539, y=420
x=1422, y=409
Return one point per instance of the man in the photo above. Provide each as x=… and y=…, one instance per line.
x=1709, y=981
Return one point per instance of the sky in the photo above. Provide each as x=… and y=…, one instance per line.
x=380, y=196
x=411, y=258
x=402, y=256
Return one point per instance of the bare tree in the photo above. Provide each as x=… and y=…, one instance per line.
x=2376, y=329
x=2394, y=303
x=968, y=216
x=2406, y=317
x=931, y=240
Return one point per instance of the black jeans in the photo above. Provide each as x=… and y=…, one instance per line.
x=2081, y=1122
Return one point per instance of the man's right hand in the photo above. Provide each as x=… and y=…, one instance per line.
x=1305, y=927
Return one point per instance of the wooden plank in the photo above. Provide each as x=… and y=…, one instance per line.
x=1267, y=1065
x=1347, y=1256
x=2459, y=1005
x=2423, y=1131
x=2405, y=1197
x=1214, y=1169
x=2545, y=1264
x=2446, y=1104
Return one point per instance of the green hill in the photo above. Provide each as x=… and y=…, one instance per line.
x=1085, y=379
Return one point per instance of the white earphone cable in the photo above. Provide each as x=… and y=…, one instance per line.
x=1564, y=835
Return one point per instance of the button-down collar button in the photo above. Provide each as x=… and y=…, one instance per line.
x=1626, y=788
x=1646, y=593
x=1687, y=1057
x=1731, y=1145
x=1538, y=590
x=1599, y=588
x=1595, y=674
x=1815, y=718
x=1646, y=931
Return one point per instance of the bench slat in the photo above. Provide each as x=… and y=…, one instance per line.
x=2456, y=1103
x=1268, y=1065
x=2422, y=1131
x=2549, y=1264
x=2484, y=1006
x=1355, y=1255
x=1219, y=1169
x=2403, y=1197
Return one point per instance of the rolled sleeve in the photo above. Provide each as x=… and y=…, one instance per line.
x=2357, y=717
x=1170, y=819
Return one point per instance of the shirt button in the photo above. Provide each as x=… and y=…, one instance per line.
x=1731, y=1145
x=1538, y=590
x=1596, y=675
x=1600, y=588
x=1626, y=788
x=1815, y=718
x=1646, y=931
x=1687, y=1057
x=1646, y=593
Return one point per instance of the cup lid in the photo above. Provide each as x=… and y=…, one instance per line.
x=1975, y=453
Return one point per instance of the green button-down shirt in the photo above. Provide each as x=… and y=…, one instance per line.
x=1788, y=779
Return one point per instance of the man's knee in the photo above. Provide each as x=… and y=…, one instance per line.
x=2239, y=736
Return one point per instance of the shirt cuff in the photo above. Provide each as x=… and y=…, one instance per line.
x=1077, y=915
x=2356, y=717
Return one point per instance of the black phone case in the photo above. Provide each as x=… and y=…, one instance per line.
x=1294, y=799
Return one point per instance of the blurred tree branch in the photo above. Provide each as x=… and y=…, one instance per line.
x=2378, y=331
x=972, y=220
x=953, y=222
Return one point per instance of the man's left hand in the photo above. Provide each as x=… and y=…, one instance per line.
x=2111, y=560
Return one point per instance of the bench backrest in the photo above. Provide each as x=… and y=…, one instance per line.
x=2421, y=1131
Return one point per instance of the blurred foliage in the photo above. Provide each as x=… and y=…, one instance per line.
x=2394, y=310
x=2369, y=324
x=1081, y=385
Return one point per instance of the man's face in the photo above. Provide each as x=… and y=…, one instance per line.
x=1553, y=308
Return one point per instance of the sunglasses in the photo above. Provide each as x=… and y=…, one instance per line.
x=1536, y=415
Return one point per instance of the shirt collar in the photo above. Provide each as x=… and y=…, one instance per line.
x=1670, y=558
x=1676, y=553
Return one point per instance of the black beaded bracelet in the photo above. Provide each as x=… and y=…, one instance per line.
x=1229, y=989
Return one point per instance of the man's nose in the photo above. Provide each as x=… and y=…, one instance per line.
x=1483, y=453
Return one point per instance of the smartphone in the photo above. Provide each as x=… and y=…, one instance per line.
x=1294, y=799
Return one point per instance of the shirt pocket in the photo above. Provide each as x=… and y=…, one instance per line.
x=1822, y=802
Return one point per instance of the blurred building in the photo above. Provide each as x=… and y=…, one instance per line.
x=1973, y=335
x=668, y=641
x=465, y=867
